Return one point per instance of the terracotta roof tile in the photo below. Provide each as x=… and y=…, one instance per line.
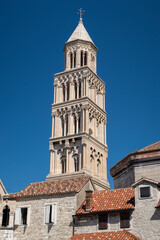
x=117, y=235
x=110, y=200
x=152, y=147
x=60, y=186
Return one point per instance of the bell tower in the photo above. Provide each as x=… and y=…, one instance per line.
x=78, y=141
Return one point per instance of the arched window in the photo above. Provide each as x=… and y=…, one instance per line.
x=85, y=58
x=67, y=124
x=63, y=93
x=79, y=89
x=63, y=162
x=79, y=124
x=98, y=166
x=74, y=59
x=5, y=219
x=76, y=164
x=75, y=87
x=67, y=91
x=62, y=125
x=75, y=124
x=71, y=60
x=81, y=58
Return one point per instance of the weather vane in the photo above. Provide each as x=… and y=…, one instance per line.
x=80, y=12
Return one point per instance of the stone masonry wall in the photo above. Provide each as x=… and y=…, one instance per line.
x=37, y=229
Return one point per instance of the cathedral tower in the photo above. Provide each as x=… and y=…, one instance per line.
x=78, y=140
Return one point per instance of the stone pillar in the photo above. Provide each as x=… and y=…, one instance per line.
x=72, y=91
x=77, y=117
x=84, y=156
x=105, y=141
x=51, y=148
x=65, y=92
x=67, y=60
x=64, y=124
x=60, y=94
x=78, y=57
x=53, y=126
x=87, y=120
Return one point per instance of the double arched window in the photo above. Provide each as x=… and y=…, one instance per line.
x=83, y=58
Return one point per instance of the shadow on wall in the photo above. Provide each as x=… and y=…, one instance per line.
x=156, y=215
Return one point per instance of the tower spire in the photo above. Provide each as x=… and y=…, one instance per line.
x=80, y=12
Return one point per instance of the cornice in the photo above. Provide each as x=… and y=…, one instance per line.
x=71, y=71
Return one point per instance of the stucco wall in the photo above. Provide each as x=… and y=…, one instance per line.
x=146, y=218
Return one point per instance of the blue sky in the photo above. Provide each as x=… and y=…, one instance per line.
x=33, y=34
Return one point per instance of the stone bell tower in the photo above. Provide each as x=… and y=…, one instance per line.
x=78, y=140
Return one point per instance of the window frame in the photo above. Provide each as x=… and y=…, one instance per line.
x=106, y=216
x=129, y=220
x=50, y=204
x=28, y=215
x=139, y=192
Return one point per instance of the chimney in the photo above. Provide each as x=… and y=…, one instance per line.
x=88, y=200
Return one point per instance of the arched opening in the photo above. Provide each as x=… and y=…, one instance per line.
x=71, y=60
x=81, y=58
x=67, y=124
x=98, y=166
x=67, y=91
x=5, y=219
x=79, y=124
x=63, y=93
x=62, y=125
x=75, y=87
x=75, y=125
x=74, y=59
x=76, y=164
x=63, y=162
x=85, y=58
x=79, y=89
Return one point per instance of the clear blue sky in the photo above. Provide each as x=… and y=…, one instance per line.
x=32, y=37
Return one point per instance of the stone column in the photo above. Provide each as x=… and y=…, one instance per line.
x=87, y=120
x=60, y=94
x=51, y=148
x=105, y=141
x=64, y=124
x=72, y=91
x=78, y=57
x=65, y=92
x=53, y=125
x=67, y=60
x=77, y=117
x=84, y=156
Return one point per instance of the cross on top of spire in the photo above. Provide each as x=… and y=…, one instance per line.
x=80, y=12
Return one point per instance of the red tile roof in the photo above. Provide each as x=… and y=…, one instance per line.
x=110, y=200
x=118, y=235
x=152, y=150
x=61, y=186
x=152, y=147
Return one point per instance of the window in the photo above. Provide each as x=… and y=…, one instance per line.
x=85, y=58
x=71, y=60
x=81, y=58
x=145, y=192
x=125, y=220
x=76, y=164
x=103, y=221
x=50, y=213
x=21, y=216
x=5, y=218
x=63, y=161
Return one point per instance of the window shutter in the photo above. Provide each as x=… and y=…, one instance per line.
x=17, y=216
x=47, y=211
x=53, y=213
